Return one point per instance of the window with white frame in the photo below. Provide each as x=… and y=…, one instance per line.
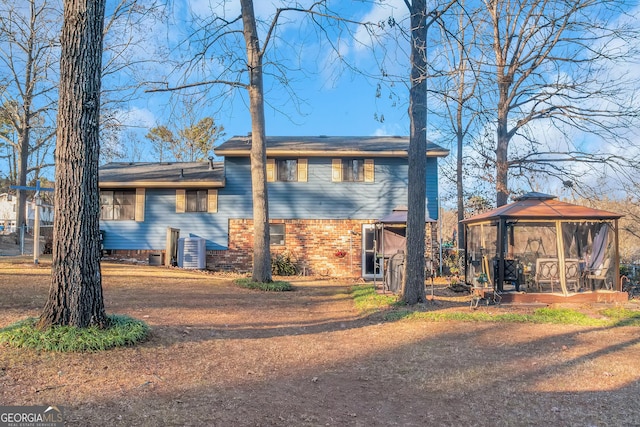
x=276, y=234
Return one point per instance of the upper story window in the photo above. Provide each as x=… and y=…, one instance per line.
x=119, y=205
x=197, y=201
x=287, y=170
x=353, y=170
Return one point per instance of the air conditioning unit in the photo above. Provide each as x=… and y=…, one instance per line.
x=192, y=253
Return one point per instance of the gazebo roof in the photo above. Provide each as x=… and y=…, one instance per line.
x=542, y=206
x=399, y=216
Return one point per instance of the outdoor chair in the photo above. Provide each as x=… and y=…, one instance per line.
x=600, y=275
x=572, y=273
x=546, y=272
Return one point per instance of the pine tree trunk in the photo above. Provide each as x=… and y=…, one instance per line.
x=414, y=288
x=75, y=295
x=261, y=241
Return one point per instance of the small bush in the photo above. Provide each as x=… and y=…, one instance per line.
x=123, y=331
x=275, y=286
x=283, y=265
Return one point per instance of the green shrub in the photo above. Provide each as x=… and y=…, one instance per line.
x=275, y=286
x=282, y=264
x=123, y=331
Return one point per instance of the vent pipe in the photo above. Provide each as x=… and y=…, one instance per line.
x=210, y=163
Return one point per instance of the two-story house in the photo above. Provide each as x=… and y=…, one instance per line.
x=325, y=196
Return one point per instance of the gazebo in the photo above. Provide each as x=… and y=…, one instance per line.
x=390, y=246
x=539, y=249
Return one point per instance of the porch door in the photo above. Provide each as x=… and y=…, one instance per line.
x=369, y=268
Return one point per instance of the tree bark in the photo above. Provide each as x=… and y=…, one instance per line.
x=261, y=242
x=414, y=288
x=75, y=295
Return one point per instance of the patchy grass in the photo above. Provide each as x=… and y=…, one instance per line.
x=275, y=286
x=123, y=331
x=558, y=316
x=622, y=316
x=367, y=300
x=217, y=353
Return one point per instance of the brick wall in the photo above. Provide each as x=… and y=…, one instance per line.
x=313, y=245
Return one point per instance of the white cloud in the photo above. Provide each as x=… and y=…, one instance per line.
x=138, y=117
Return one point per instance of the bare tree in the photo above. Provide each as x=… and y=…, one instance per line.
x=130, y=56
x=413, y=290
x=75, y=296
x=28, y=43
x=224, y=35
x=554, y=63
x=455, y=85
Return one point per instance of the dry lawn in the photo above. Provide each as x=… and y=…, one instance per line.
x=220, y=356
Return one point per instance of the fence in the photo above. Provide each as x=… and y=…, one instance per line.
x=25, y=241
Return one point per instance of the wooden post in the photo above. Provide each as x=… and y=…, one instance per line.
x=36, y=230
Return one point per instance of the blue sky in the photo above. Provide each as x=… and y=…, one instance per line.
x=332, y=99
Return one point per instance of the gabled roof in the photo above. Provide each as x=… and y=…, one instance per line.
x=162, y=175
x=324, y=146
x=542, y=206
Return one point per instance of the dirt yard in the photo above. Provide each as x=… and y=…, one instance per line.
x=222, y=356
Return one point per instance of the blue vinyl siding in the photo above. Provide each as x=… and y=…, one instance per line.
x=320, y=198
x=160, y=213
x=317, y=198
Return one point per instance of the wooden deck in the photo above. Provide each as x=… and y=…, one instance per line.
x=554, y=298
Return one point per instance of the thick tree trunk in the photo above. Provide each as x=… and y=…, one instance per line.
x=75, y=296
x=261, y=241
x=24, y=134
x=502, y=165
x=414, y=288
x=460, y=189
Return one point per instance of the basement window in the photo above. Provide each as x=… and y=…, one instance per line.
x=276, y=234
